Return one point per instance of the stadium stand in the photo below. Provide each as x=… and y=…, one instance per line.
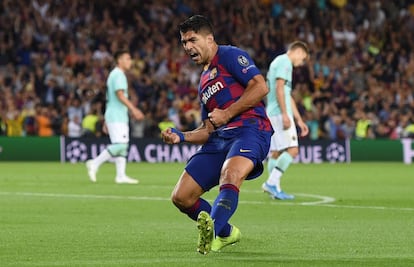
x=56, y=54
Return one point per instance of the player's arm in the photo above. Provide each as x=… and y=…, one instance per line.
x=255, y=91
x=280, y=95
x=197, y=136
x=136, y=113
x=281, y=100
x=304, y=130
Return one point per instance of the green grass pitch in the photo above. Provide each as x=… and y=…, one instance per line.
x=358, y=214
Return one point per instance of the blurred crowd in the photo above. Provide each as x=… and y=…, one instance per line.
x=55, y=56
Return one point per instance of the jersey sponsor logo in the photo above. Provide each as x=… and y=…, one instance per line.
x=243, y=61
x=225, y=203
x=244, y=150
x=210, y=91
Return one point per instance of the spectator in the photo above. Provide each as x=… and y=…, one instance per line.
x=89, y=124
x=13, y=120
x=75, y=127
x=364, y=56
x=43, y=122
x=313, y=125
x=165, y=124
x=75, y=109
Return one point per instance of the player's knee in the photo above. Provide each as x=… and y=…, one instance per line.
x=275, y=154
x=183, y=201
x=293, y=151
x=180, y=201
x=232, y=176
x=118, y=149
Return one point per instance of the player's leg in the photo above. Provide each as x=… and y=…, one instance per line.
x=283, y=161
x=93, y=165
x=119, y=135
x=234, y=172
x=201, y=174
x=244, y=161
x=277, y=143
x=121, y=151
x=186, y=196
x=284, y=145
x=271, y=162
x=277, y=125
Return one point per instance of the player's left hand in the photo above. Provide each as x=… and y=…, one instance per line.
x=304, y=130
x=137, y=114
x=218, y=117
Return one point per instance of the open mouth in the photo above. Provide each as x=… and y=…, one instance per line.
x=194, y=56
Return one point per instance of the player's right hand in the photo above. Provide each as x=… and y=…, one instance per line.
x=286, y=121
x=169, y=137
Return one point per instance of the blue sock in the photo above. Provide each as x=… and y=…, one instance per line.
x=224, y=207
x=225, y=231
x=200, y=205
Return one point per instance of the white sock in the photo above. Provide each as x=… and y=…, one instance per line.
x=274, y=178
x=101, y=158
x=120, y=163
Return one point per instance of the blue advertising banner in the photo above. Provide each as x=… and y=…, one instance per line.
x=337, y=151
x=149, y=150
x=154, y=150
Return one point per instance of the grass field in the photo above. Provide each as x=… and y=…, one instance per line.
x=359, y=214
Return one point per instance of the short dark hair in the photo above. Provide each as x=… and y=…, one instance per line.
x=119, y=53
x=196, y=23
x=299, y=44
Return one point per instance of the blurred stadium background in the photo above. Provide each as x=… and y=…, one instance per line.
x=55, y=55
x=356, y=95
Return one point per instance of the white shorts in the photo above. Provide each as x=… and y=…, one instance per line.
x=118, y=132
x=282, y=139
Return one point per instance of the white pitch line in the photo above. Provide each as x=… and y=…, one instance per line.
x=324, y=202
x=34, y=194
x=368, y=207
x=323, y=199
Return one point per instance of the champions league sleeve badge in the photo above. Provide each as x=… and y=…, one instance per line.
x=243, y=61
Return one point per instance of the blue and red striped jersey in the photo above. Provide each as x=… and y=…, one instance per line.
x=225, y=81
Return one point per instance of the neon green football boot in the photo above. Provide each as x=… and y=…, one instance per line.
x=221, y=242
x=205, y=227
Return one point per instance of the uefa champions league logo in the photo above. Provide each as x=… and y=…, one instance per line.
x=76, y=152
x=335, y=153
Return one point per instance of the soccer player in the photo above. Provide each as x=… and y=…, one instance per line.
x=283, y=113
x=235, y=134
x=116, y=120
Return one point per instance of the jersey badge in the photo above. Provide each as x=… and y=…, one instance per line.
x=243, y=61
x=213, y=73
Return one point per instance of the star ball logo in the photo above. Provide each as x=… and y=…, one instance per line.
x=335, y=153
x=76, y=151
x=243, y=61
